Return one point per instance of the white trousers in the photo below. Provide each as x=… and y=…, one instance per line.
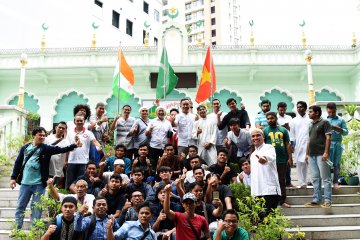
x=301, y=170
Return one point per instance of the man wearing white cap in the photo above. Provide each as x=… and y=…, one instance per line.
x=264, y=176
x=119, y=166
x=197, y=223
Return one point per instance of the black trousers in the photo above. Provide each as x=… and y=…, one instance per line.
x=271, y=202
x=281, y=169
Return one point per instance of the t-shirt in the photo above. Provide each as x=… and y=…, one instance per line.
x=115, y=202
x=240, y=234
x=278, y=137
x=80, y=155
x=98, y=131
x=209, y=208
x=185, y=123
x=31, y=173
x=183, y=230
x=318, y=132
x=123, y=128
x=215, y=168
x=261, y=119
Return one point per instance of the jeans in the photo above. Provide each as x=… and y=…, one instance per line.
x=320, y=170
x=25, y=193
x=73, y=171
x=336, y=150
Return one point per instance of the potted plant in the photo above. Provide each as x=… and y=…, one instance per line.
x=350, y=159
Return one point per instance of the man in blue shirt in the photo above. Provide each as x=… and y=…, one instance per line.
x=260, y=120
x=31, y=171
x=94, y=226
x=339, y=129
x=139, y=229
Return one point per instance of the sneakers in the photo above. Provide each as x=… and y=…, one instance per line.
x=312, y=204
x=326, y=205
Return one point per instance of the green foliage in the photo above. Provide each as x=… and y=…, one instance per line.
x=351, y=155
x=9, y=153
x=50, y=208
x=33, y=116
x=272, y=227
x=350, y=109
x=251, y=210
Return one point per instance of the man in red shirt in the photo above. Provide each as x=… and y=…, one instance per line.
x=188, y=225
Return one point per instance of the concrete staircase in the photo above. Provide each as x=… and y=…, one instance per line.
x=342, y=221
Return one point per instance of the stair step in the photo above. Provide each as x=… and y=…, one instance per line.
x=309, y=191
x=4, y=234
x=9, y=193
x=8, y=202
x=9, y=224
x=330, y=232
x=336, y=199
x=335, y=209
x=325, y=220
x=9, y=212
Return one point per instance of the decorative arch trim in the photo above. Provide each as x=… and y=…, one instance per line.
x=331, y=90
x=281, y=90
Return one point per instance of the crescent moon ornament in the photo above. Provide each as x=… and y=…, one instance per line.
x=95, y=25
x=302, y=23
x=173, y=12
x=146, y=24
x=44, y=26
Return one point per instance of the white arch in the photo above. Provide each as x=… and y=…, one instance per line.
x=63, y=94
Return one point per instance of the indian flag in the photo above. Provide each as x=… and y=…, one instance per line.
x=126, y=75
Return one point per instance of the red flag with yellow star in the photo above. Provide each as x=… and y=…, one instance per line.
x=208, y=79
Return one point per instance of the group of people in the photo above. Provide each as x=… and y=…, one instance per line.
x=168, y=177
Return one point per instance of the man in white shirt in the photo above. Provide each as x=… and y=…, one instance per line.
x=78, y=158
x=184, y=122
x=204, y=131
x=299, y=138
x=57, y=161
x=221, y=134
x=264, y=175
x=282, y=118
x=159, y=131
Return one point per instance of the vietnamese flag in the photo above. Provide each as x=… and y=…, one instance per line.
x=208, y=79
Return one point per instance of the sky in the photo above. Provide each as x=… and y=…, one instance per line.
x=327, y=22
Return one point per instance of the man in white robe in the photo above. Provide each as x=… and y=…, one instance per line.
x=204, y=131
x=299, y=138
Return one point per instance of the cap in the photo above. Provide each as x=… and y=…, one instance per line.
x=69, y=199
x=150, y=179
x=189, y=196
x=119, y=162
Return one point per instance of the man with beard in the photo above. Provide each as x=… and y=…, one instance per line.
x=62, y=227
x=169, y=159
x=159, y=131
x=260, y=120
x=95, y=225
x=204, y=131
x=92, y=179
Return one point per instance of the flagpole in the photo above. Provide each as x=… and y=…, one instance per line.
x=164, y=68
x=211, y=83
x=118, y=99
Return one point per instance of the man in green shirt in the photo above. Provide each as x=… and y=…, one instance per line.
x=228, y=229
x=278, y=136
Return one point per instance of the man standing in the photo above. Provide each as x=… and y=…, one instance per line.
x=221, y=134
x=57, y=161
x=282, y=118
x=260, y=120
x=264, y=176
x=299, y=138
x=78, y=159
x=279, y=138
x=159, y=131
x=204, y=131
x=99, y=127
x=242, y=115
x=184, y=122
x=123, y=124
x=31, y=171
x=339, y=129
x=318, y=157
x=138, y=130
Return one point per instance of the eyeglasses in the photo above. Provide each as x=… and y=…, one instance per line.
x=231, y=221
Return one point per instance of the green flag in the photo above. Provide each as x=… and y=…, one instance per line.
x=167, y=75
